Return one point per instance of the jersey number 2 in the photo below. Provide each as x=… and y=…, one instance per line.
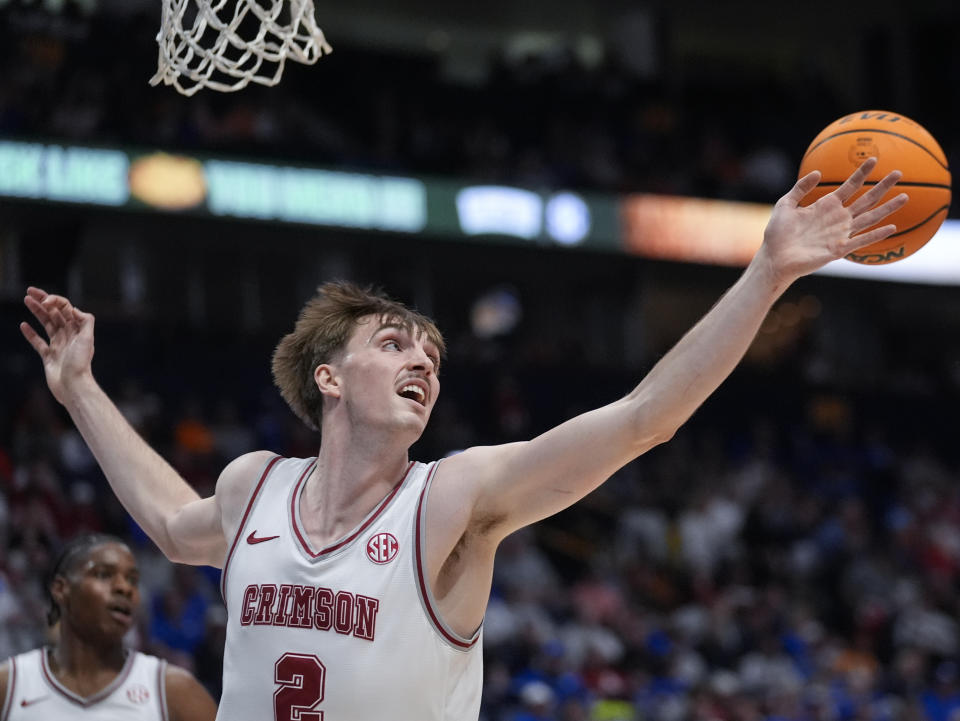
x=301, y=678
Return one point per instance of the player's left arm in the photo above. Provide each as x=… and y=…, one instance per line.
x=187, y=699
x=4, y=683
x=517, y=484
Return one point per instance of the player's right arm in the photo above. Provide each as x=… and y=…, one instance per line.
x=186, y=528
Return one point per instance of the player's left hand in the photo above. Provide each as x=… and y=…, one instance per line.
x=799, y=240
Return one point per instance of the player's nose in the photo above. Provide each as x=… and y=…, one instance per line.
x=419, y=360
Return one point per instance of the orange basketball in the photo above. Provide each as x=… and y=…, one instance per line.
x=898, y=143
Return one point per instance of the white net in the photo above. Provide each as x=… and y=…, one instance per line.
x=226, y=44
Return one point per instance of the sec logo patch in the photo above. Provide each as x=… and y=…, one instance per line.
x=382, y=548
x=138, y=694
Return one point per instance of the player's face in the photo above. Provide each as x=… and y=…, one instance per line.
x=102, y=593
x=390, y=376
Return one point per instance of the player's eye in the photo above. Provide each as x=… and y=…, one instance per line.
x=391, y=345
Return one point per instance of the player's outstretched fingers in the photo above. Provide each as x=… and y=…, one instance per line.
x=34, y=339
x=41, y=313
x=60, y=318
x=856, y=180
x=56, y=301
x=871, y=217
x=876, y=193
x=800, y=189
x=60, y=310
x=871, y=236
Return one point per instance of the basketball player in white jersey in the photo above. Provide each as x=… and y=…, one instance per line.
x=87, y=674
x=356, y=582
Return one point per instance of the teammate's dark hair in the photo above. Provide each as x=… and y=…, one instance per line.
x=70, y=555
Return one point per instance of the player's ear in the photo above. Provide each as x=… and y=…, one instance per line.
x=60, y=590
x=327, y=381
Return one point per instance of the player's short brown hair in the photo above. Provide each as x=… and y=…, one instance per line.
x=323, y=329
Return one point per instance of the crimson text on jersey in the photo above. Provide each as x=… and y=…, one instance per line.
x=266, y=604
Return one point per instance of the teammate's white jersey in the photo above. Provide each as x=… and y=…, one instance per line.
x=138, y=693
x=349, y=632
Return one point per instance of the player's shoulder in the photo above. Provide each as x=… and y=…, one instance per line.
x=17, y=663
x=463, y=479
x=187, y=698
x=179, y=680
x=463, y=476
x=477, y=461
x=236, y=482
x=238, y=477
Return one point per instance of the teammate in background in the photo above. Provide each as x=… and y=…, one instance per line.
x=87, y=674
x=356, y=582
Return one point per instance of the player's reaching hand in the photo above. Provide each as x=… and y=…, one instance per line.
x=799, y=240
x=68, y=351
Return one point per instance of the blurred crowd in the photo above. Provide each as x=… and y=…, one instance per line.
x=546, y=119
x=794, y=557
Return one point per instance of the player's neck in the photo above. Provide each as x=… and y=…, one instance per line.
x=357, y=456
x=85, y=668
x=347, y=483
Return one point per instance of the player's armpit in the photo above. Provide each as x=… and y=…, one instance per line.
x=187, y=699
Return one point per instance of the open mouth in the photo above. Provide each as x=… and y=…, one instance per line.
x=414, y=392
x=120, y=612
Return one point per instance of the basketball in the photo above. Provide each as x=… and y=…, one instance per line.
x=898, y=143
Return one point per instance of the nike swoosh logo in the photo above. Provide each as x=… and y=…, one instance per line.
x=252, y=538
x=32, y=701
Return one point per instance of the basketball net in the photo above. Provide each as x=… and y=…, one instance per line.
x=202, y=46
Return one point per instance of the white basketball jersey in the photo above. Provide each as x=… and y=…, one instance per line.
x=349, y=632
x=138, y=693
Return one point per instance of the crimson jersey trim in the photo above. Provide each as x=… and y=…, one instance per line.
x=364, y=525
x=85, y=701
x=429, y=604
x=246, y=513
